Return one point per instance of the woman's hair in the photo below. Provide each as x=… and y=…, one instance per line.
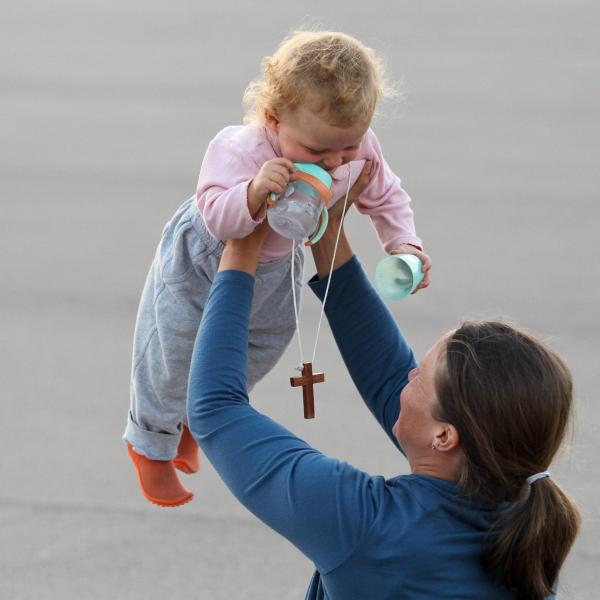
x=510, y=398
x=338, y=77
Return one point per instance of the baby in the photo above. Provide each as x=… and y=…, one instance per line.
x=313, y=103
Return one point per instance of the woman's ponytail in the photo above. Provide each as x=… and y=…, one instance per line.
x=534, y=540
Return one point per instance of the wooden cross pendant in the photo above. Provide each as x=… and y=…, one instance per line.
x=306, y=381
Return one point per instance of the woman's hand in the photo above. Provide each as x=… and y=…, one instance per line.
x=243, y=255
x=337, y=211
x=323, y=250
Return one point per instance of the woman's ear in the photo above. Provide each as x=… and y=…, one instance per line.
x=446, y=438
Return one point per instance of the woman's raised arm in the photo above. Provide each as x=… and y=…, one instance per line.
x=374, y=350
x=324, y=506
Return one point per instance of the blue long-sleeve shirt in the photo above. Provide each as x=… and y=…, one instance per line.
x=411, y=536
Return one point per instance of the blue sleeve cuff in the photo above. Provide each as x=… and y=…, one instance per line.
x=236, y=277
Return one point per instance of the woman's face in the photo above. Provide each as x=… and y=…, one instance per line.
x=416, y=427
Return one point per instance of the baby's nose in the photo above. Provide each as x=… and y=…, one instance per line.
x=332, y=162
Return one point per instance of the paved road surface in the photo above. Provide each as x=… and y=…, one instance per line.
x=105, y=111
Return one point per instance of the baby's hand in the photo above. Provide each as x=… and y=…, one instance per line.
x=272, y=178
x=408, y=249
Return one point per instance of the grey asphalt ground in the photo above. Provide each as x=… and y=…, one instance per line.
x=106, y=109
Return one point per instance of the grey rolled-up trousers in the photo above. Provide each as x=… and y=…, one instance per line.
x=169, y=314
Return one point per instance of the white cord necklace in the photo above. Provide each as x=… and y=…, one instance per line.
x=308, y=378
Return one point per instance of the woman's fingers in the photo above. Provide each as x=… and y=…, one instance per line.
x=362, y=182
x=355, y=191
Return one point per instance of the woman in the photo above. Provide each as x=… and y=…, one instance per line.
x=479, y=421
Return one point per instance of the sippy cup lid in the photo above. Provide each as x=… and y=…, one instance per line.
x=319, y=178
x=315, y=171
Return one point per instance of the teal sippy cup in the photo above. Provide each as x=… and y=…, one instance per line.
x=398, y=275
x=300, y=213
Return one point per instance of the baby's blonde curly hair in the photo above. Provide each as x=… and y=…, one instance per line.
x=335, y=75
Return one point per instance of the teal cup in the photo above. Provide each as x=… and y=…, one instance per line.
x=397, y=276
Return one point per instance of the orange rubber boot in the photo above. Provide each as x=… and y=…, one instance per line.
x=188, y=455
x=158, y=480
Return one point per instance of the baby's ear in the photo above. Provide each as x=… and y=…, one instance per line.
x=271, y=118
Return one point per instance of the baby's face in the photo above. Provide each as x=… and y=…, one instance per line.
x=305, y=137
